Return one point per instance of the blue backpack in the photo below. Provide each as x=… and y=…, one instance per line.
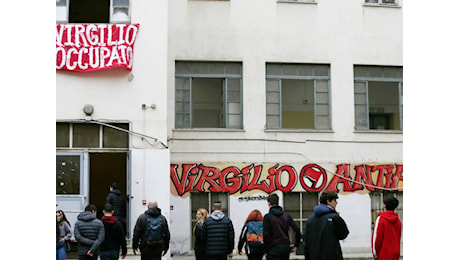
x=153, y=231
x=255, y=233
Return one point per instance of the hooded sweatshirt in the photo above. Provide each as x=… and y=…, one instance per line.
x=323, y=231
x=276, y=228
x=219, y=234
x=386, y=237
x=114, y=235
x=89, y=232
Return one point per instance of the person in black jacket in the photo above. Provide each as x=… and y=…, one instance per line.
x=89, y=232
x=118, y=202
x=151, y=251
x=114, y=236
x=219, y=234
x=276, y=231
x=324, y=229
x=198, y=230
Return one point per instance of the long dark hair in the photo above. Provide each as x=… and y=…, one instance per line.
x=64, y=218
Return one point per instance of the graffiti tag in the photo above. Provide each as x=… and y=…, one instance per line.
x=312, y=178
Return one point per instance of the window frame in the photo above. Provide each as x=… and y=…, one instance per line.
x=379, y=3
x=316, y=91
x=187, y=80
x=64, y=18
x=101, y=134
x=302, y=220
x=361, y=98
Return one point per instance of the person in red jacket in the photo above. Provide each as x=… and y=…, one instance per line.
x=387, y=232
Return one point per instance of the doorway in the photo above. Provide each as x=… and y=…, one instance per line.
x=105, y=169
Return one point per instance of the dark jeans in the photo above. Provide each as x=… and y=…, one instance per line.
x=200, y=256
x=150, y=255
x=109, y=255
x=218, y=257
x=255, y=256
x=279, y=252
x=87, y=257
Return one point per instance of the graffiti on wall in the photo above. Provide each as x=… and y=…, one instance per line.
x=268, y=178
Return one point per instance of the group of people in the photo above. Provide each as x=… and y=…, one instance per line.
x=262, y=235
x=268, y=235
x=96, y=237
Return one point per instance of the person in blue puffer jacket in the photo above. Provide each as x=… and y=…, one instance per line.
x=324, y=229
x=219, y=234
x=89, y=232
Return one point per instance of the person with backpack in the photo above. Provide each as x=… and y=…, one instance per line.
x=277, y=244
x=252, y=236
x=151, y=233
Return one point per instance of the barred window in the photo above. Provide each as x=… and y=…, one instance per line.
x=208, y=95
x=93, y=11
x=378, y=94
x=297, y=96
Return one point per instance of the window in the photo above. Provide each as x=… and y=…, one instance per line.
x=297, y=96
x=377, y=202
x=92, y=11
x=378, y=98
x=205, y=200
x=208, y=95
x=68, y=168
x=381, y=2
x=82, y=135
x=300, y=206
x=296, y=1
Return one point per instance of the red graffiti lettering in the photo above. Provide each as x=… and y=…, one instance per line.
x=363, y=175
x=254, y=185
x=230, y=184
x=384, y=172
x=312, y=178
x=185, y=183
x=397, y=176
x=342, y=176
x=291, y=181
x=210, y=175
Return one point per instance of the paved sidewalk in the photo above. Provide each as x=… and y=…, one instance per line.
x=130, y=256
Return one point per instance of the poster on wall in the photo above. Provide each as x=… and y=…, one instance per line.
x=237, y=179
x=91, y=47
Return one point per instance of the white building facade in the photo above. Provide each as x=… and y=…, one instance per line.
x=231, y=100
x=111, y=122
x=292, y=97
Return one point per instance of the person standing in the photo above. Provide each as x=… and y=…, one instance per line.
x=386, y=237
x=324, y=229
x=114, y=236
x=64, y=235
x=151, y=233
x=118, y=202
x=252, y=236
x=276, y=225
x=198, y=230
x=219, y=234
x=89, y=232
